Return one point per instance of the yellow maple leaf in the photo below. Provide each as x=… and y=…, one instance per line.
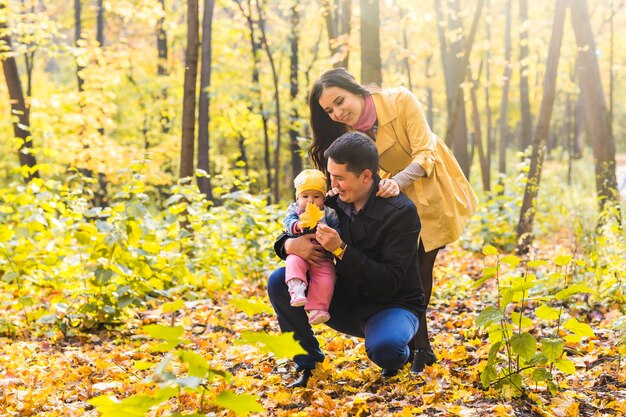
x=311, y=216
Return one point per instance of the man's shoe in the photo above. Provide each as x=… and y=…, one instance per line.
x=388, y=373
x=423, y=358
x=302, y=381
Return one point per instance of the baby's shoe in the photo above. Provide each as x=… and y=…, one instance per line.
x=318, y=316
x=296, y=292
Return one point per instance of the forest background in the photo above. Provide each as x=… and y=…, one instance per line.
x=148, y=150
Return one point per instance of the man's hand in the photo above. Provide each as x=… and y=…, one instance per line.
x=304, y=247
x=327, y=237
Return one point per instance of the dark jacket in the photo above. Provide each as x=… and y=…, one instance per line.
x=379, y=267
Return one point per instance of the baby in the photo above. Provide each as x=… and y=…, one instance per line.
x=310, y=187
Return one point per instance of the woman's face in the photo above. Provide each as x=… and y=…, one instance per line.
x=341, y=105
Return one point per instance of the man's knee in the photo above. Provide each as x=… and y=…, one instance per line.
x=387, y=353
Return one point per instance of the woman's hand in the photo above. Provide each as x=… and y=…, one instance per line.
x=388, y=188
x=304, y=247
x=327, y=237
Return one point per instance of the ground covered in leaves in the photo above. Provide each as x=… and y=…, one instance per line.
x=52, y=375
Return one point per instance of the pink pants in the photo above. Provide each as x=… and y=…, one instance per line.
x=322, y=284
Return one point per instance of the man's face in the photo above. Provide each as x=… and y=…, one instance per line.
x=352, y=188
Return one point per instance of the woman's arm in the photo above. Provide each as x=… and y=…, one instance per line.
x=391, y=187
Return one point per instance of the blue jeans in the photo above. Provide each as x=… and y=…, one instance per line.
x=387, y=333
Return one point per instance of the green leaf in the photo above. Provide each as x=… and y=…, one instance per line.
x=526, y=322
x=536, y=263
x=541, y=374
x=578, y=328
x=283, y=345
x=524, y=286
x=524, y=344
x=489, y=316
x=511, y=387
x=552, y=348
x=563, y=260
x=487, y=375
x=552, y=388
x=506, y=297
x=167, y=333
x=10, y=276
x=172, y=306
x=511, y=260
x=6, y=233
x=493, y=352
x=191, y=382
x=538, y=359
x=240, y=404
x=490, y=250
x=83, y=238
x=143, y=365
x=479, y=282
x=134, y=232
x=251, y=306
x=103, y=276
x=573, y=338
x=566, y=366
x=198, y=366
x=571, y=290
x=546, y=312
x=135, y=406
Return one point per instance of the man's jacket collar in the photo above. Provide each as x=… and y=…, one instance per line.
x=372, y=207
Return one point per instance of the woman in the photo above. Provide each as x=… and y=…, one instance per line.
x=412, y=160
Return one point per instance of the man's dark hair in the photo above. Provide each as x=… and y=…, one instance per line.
x=356, y=150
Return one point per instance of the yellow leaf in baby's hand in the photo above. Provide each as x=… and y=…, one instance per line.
x=311, y=216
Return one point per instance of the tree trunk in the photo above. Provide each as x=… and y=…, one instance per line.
x=405, y=61
x=266, y=46
x=204, y=116
x=100, y=23
x=255, y=47
x=443, y=49
x=488, y=127
x=478, y=137
x=19, y=110
x=580, y=126
x=527, y=213
x=29, y=58
x=162, y=64
x=338, y=16
x=504, y=127
x=162, y=42
x=430, y=117
x=596, y=111
x=189, y=92
x=77, y=38
x=526, y=128
x=371, y=65
x=611, y=60
x=296, y=158
x=457, y=127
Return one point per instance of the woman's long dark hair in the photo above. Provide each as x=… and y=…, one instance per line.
x=325, y=130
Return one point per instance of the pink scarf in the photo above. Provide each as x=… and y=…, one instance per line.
x=368, y=118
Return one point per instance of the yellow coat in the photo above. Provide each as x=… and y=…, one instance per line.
x=444, y=198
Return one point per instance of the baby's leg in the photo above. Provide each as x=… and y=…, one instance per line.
x=321, y=286
x=295, y=277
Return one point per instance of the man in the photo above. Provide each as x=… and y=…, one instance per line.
x=378, y=293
